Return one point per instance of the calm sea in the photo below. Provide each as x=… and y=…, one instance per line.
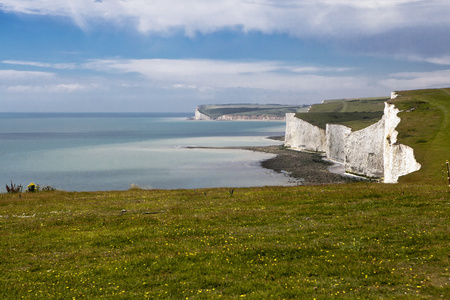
x=107, y=151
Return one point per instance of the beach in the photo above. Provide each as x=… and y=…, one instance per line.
x=305, y=168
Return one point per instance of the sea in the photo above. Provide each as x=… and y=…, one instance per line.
x=117, y=151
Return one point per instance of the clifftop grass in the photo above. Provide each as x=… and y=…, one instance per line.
x=358, y=241
x=425, y=126
x=354, y=113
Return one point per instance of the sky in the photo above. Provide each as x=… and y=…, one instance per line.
x=172, y=55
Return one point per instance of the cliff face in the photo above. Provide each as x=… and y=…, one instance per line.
x=370, y=152
x=336, y=137
x=399, y=159
x=303, y=135
x=364, y=151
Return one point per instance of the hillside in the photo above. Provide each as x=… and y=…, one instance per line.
x=425, y=126
x=354, y=113
x=357, y=241
x=243, y=111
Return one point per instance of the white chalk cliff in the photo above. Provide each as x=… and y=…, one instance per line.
x=200, y=116
x=370, y=152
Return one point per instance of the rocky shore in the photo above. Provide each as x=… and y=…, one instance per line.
x=308, y=168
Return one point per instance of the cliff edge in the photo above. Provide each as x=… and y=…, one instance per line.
x=372, y=152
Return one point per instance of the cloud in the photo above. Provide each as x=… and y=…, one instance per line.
x=10, y=75
x=295, y=17
x=56, y=88
x=13, y=81
x=40, y=64
x=442, y=60
x=203, y=76
x=183, y=86
x=415, y=80
x=207, y=74
x=386, y=28
x=216, y=80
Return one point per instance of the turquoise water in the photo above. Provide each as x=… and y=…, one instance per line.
x=88, y=152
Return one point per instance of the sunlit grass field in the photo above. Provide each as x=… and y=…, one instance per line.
x=355, y=241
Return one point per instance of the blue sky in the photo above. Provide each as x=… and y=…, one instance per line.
x=172, y=55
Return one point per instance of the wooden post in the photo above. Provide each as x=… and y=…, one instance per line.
x=448, y=173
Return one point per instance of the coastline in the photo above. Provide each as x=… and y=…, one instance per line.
x=303, y=167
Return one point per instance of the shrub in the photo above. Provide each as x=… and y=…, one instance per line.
x=13, y=188
x=32, y=188
x=47, y=188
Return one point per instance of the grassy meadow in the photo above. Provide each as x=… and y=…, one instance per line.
x=353, y=241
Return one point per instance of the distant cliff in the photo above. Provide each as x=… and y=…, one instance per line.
x=371, y=152
x=233, y=112
x=200, y=116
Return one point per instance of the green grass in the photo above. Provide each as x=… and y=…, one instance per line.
x=425, y=126
x=276, y=110
x=350, y=105
x=358, y=241
x=354, y=120
x=354, y=113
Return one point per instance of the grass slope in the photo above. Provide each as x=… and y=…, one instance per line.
x=358, y=241
x=354, y=120
x=274, y=110
x=351, y=105
x=354, y=113
x=425, y=126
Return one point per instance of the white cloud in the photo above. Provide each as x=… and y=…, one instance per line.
x=296, y=17
x=276, y=81
x=418, y=80
x=10, y=75
x=200, y=75
x=319, y=69
x=14, y=81
x=40, y=64
x=183, y=86
x=207, y=74
x=438, y=60
x=180, y=67
x=19, y=88
x=55, y=88
x=68, y=88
